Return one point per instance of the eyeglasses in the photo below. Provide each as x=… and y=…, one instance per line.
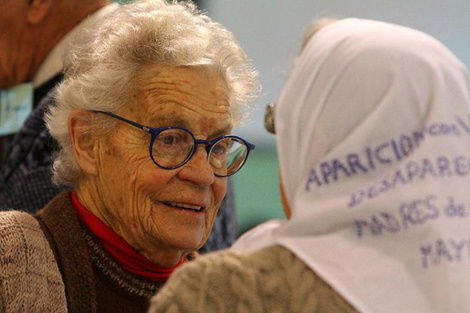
x=269, y=118
x=172, y=147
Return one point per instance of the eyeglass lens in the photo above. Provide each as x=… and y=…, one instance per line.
x=227, y=156
x=173, y=147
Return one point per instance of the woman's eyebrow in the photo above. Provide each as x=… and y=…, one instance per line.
x=223, y=131
x=174, y=121
x=168, y=121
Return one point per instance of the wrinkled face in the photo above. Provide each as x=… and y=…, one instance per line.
x=13, y=31
x=147, y=205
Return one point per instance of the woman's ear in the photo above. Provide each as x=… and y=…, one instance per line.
x=38, y=10
x=83, y=140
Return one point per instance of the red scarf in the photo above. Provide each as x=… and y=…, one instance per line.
x=119, y=249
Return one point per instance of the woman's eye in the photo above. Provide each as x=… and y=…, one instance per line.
x=219, y=149
x=168, y=140
x=171, y=139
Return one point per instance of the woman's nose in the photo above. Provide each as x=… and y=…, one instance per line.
x=198, y=169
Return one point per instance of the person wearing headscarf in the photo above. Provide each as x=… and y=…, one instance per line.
x=373, y=139
x=143, y=118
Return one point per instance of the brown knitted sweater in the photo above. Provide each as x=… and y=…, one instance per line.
x=94, y=282
x=30, y=280
x=268, y=280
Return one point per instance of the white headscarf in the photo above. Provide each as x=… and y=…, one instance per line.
x=373, y=131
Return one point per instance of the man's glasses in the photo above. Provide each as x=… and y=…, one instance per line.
x=172, y=147
x=269, y=118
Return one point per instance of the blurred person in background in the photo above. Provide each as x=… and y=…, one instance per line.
x=143, y=120
x=373, y=139
x=34, y=35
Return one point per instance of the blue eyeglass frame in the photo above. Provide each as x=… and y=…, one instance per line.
x=154, y=132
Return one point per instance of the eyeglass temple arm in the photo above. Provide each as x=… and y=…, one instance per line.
x=125, y=120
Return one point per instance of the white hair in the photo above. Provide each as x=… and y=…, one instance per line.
x=104, y=58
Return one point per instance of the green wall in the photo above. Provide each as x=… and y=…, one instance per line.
x=257, y=190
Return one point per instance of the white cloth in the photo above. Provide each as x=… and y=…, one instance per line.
x=373, y=131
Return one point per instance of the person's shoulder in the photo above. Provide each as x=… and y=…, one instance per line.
x=20, y=236
x=272, y=259
x=11, y=220
x=272, y=279
x=30, y=277
x=225, y=263
x=18, y=230
x=234, y=281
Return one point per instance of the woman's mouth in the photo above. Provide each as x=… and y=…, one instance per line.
x=184, y=206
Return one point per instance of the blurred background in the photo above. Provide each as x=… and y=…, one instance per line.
x=270, y=32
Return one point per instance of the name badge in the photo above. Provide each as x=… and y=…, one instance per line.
x=16, y=103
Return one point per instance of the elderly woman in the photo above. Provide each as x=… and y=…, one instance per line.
x=143, y=119
x=373, y=130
